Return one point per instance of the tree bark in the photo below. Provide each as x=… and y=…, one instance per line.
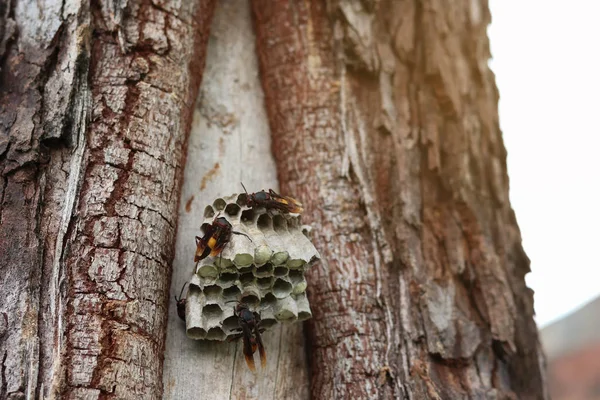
x=96, y=101
x=383, y=116
x=384, y=122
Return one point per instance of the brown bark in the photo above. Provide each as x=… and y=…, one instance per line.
x=384, y=122
x=94, y=107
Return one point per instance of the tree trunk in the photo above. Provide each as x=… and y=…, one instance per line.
x=383, y=116
x=96, y=103
x=384, y=122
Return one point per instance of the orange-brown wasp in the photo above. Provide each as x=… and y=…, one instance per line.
x=250, y=332
x=273, y=201
x=216, y=236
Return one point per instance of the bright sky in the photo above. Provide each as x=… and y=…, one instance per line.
x=546, y=57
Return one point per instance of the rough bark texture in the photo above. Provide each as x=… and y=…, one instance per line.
x=384, y=122
x=44, y=100
x=229, y=143
x=90, y=181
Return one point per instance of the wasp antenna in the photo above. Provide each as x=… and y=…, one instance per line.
x=244, y=187
x=181, y=293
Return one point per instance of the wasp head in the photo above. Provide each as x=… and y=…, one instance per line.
x=181, y=303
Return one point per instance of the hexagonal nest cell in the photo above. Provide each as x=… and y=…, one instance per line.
x=267, y=272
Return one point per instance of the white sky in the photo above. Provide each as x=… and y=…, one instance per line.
x=546, y=57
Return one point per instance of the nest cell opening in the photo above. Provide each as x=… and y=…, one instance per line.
x=242, y=199
x=279, y=224
x=264, y=222
x=213, y=292
x=231, y=324
x=246, y=278
x=281, y=271
x=251, y=299
x=268, y=300
x=303, y=315
x=248, y=217
x=286, y=316
x=296, y=263
x=245, y=270
x=227, y=277
x=207, y=271
x=266, y=269
x=281, y=288
x=264, y=283
x=215, y=333
x=196, y=333
x=296, y=275
x=232, y=293
x=193, y=289
x=212, y=311
x=243, y=259
x=262, y=254
x=219, y=204
x=232, y=209
x=280, y=257
x=209, y=212
x=222, y=262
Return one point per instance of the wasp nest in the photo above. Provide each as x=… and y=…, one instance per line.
x=266, y=272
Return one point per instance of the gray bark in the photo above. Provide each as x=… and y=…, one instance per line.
x=229, y=143
x=45, y=104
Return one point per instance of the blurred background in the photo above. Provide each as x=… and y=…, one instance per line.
x=547, y=65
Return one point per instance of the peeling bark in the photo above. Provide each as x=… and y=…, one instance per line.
x=95, y=103
x=384, y=122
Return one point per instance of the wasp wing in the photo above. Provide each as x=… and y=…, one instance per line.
x=261, y=348
x=203, y=244
x=286, y=203
x=201, y=253
x=248, y=348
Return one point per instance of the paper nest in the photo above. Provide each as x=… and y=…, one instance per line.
x=266, y=273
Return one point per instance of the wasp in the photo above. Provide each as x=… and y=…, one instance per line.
x=272, y=200
x=250, y=328
x=181, y=303
x=216, y=237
